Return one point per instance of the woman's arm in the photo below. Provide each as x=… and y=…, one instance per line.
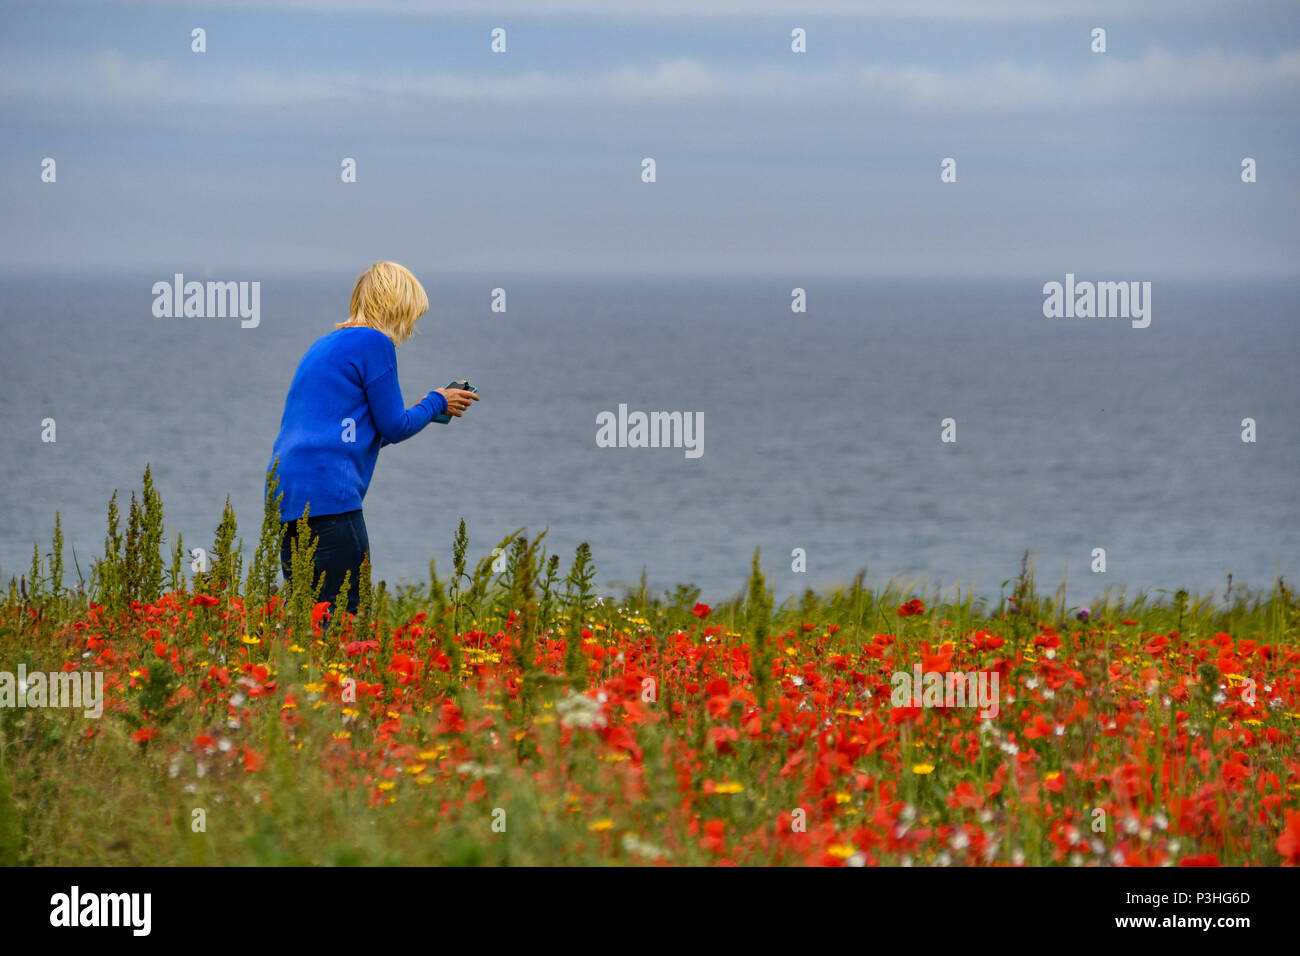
x=393, y=420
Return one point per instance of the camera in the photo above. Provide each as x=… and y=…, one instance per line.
x=445, y=417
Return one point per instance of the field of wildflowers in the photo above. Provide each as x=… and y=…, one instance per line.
x=506, y=714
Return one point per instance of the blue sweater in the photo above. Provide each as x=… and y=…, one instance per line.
x=344, y=404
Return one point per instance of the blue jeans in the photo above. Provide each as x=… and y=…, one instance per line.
x=341, y=546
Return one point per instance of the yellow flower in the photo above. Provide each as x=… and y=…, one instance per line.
x=1052, y=775
x=313, y=688
x=246, y=639
x=296, y=649
x=415, y=768
x=387, y=785
x=849, y=713
x=605, y=824
x=544, y=719
x=841, y=850
x=843, y=797
x=922, y=768
x=729, y=786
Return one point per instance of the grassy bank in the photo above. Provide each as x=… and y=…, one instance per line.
x=506, y=715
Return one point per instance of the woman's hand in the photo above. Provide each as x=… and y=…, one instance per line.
x=457, y=399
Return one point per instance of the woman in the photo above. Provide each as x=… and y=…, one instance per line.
x=344, y=404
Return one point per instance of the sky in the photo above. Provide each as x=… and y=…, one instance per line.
x=1124, y=164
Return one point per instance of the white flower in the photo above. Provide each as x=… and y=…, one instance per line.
x=477, y=770
x=579, y=710
x=641, y=848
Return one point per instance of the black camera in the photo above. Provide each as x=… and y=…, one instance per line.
x=445, y=417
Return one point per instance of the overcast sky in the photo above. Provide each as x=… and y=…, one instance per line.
x=1125, y=164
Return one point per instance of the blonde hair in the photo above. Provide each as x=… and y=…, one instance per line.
x=389, y=298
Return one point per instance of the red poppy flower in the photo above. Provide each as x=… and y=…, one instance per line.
x=911, y=608
x=713, y=837
x=1288, y=844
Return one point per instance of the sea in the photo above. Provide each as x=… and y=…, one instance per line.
x=1086, y=442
